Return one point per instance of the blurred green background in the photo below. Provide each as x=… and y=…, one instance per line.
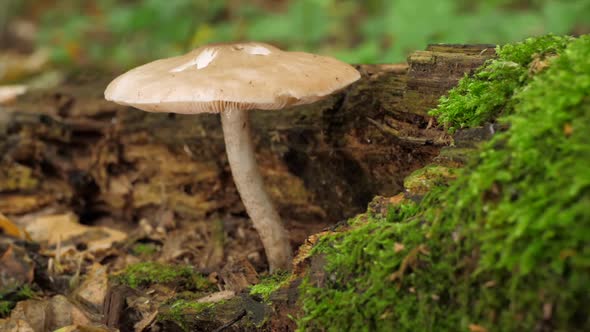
x=119, y=34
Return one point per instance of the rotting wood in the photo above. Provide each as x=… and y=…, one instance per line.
x=69, y=147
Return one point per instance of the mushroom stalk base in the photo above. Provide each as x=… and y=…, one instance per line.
x=246, y=175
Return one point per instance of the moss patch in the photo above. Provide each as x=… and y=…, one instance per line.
x=9, y=298
x=178, y=310
x=270, y=284
x=502, y=248
x=146, y=273
x=489, y=92
x=190, y=315
x=5, y=308
x=144, y=249
x=423, y=180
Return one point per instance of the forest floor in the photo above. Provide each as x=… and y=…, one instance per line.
x=113, y=219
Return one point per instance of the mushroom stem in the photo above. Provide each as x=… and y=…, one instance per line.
x=246, y=175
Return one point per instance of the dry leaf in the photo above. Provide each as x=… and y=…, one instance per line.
x=49, y=315
x=15, y=325
x=11, y=229
x=93, y=290
x=65, y=230
x=9, y=93
x=16, y=268
x=17, y=66
x=217, y=296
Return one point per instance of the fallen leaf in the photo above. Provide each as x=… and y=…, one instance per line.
x=62, y=312
x=15, y=325
x=84, y=328
x=9, y=228
x=93, y=289
x=65, y=230
x=31, y=311
x=55, y=228
x=17, y=66
x=9, y=93
x=16, y=268
x=18, y=203
x=217, y=296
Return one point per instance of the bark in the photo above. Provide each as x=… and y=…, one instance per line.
x=68, y=147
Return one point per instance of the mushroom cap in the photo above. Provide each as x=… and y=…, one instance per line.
x=239, y=76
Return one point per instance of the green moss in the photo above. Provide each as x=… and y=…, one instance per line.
x=146, y=273
x=5, y=308
x=423, y=180
x=144, y=249
x=25, y=292
x=9, y=298
x=270, y=284
x=504, y=247
x=180, y=308
x=485, y=95
x=190, y=315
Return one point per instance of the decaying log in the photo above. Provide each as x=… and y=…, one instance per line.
x=70, y=147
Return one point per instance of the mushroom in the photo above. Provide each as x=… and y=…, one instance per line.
x=232, y=79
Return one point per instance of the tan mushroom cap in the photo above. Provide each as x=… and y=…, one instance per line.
x=222, y=77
